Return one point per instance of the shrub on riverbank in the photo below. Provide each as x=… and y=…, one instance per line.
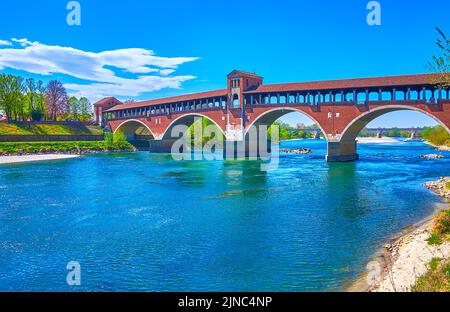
x=437, y=135
x=441, y=228
x=437, y=279
x=75, y=147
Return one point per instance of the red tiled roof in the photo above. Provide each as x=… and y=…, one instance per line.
x=406, y=80
x=106, y=100
x=181, y=98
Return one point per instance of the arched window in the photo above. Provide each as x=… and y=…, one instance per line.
x=235, y=103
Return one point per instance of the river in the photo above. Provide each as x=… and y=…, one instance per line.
x=144, y=222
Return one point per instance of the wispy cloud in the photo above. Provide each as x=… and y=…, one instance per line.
x=100, y=71
x=5, y=43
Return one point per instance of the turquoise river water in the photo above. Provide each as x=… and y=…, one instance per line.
x=143, y=222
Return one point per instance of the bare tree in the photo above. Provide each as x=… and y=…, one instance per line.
x=56, y=99
x=129, y=101
x=441, y=64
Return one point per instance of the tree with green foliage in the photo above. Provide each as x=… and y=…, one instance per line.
x=34, y=99
x=436, y=135
x=441, y=63
x=11, y=97
x=85, y=109
x=74, y=107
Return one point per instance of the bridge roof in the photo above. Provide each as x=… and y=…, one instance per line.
x=168, y=100
x=358, y=83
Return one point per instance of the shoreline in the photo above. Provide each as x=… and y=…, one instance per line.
x=405, y=256
x=6, y=160
x=442, y=148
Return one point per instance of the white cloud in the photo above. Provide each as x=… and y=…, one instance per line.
x=5, y=43
x=99, y=70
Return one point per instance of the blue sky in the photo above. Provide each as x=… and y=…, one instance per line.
x=128, y=48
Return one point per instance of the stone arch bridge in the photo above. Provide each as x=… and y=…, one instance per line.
x=340, y=108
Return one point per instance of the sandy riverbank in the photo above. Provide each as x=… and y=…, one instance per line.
x=405, y=258
x=29, y=158
x=442, y=148
x=370, y=140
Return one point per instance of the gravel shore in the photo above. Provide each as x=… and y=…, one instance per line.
x=400, y=262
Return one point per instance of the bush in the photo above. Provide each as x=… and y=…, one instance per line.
x=109, y=140
x=437, y=135
x=441, y=228
x=120, y=140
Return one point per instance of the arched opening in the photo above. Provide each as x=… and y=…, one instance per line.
x=235, y=102
x=356, y=126
x=187, y=121
x=135, y=130
x=293, y=123
x=137, y=133
x=187, y=127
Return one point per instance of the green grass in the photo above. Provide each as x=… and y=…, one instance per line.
x=61, y=147
x=49, y=129
x=437, y=279
x=441, y=229
x=447, y=185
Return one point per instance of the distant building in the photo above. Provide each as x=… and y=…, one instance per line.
x=103, y=105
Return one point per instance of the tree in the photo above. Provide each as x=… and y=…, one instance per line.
x=56, y=99
x=74, y=107
x=129, y=101
x=34, y=99
x=85, y=108
x=441, y=63
x=11, y=97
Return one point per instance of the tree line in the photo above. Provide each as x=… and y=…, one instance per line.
x=31, y=100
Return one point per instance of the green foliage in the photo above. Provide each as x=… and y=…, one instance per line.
x=75, y=147
x=11, y=96
x=437, y=279
x=109, y=140
x=447, y=185
x=120, y=140
x=287, y=132
x=27, y=99
x=436, y=135
x=203, y=123
x=441, y=229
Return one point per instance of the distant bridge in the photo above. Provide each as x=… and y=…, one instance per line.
x=341, y=108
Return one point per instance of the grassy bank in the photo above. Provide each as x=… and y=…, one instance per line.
x=441, y=228
x=49, y=129
x=116, y=142
x=60, y=147
x=437, y=279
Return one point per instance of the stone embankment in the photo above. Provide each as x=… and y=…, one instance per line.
x=440, y=187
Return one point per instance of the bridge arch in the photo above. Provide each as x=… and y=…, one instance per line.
x=272, y=115
x=187, y=120
x=359, y=123
x=130, y=126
